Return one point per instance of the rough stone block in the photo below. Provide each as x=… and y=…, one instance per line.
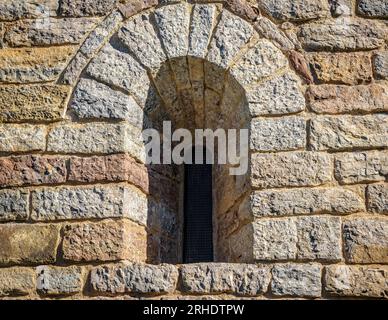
x=290, y=169
x=14, y=205
x=22, y=137
x=361, y=167
x=263, y=60
x=281, y=95
x=81, y=8
x=34, y=102
x=241, y=279
x=96, y=202
x=105, y=241
x=202, y=24
x=16, y=281
x=296, y=280
x=134, y=278
x=334, y=99
x=319, y=238
x=347, y=132
x=93, y=100
x=306, y=201
x=53, y=281
x=278, y=134
x=33, y=64
x=345, y=68
x=26, y=33
x=29, y=169
x=296, y=10
x=380, y=65
x=377, y=198
x=231, y=35
x=28, y=244
x=356, y=281
x=372, y=8
x=366, y=240
x=342, y=34
x=28, y=9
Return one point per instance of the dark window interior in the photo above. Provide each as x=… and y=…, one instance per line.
x=198, y=212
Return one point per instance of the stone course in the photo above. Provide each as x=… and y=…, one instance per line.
x=83, y=217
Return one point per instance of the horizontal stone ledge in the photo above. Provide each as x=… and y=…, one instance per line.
x=211, y=278
x=107, y=240
x=290, y=169
x=28, y=244
x=338, y=133
x=27, y=170
x=134, y=278
x=356, y=281
x=361, y=167
x=366, y=240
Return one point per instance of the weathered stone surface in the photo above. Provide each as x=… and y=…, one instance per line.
x=231, y=35
x=28, y=244
x=36, y=102
x=341, y=7
x=70, y=203
x=319, y=238
x=48, y=32
x=275, y=239
x=342, y=34
x=29, y=169
x=31, y=9
x=346, y=132
x=14, y=205
x=373, y=8
x=97, y=37
x=278, y=134
x=120, y=167
x=22, y=138
x=366, y=240
x=105, y=241
x=380, y=65
x=119, y=69
x=80, y=8
x=263, y=60
x=296, y=10
x=361, y=167
x=93, y=100
x=299, y=64
x=33, y=64
x=241, y=279
x=130, y=8
x=306, y=201
x=59, y=281
x=134, y=278
x=290, y=169
x=301, y=280
x=74, y=69
x=346, y=68
x=270, y=31
x=377, y=198
x=279, y=96
x=202, y=23
x=16, y=281
x=173, y=23
x=139, y=35
x=356, y=281
x=333, y=99
x=94, y=138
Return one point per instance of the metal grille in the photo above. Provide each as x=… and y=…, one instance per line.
x=198, y=206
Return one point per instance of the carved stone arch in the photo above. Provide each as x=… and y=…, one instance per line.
x=201, y=66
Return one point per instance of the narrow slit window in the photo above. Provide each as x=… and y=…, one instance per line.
x=198, y=214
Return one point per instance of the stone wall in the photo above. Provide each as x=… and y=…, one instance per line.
x=81, y=216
